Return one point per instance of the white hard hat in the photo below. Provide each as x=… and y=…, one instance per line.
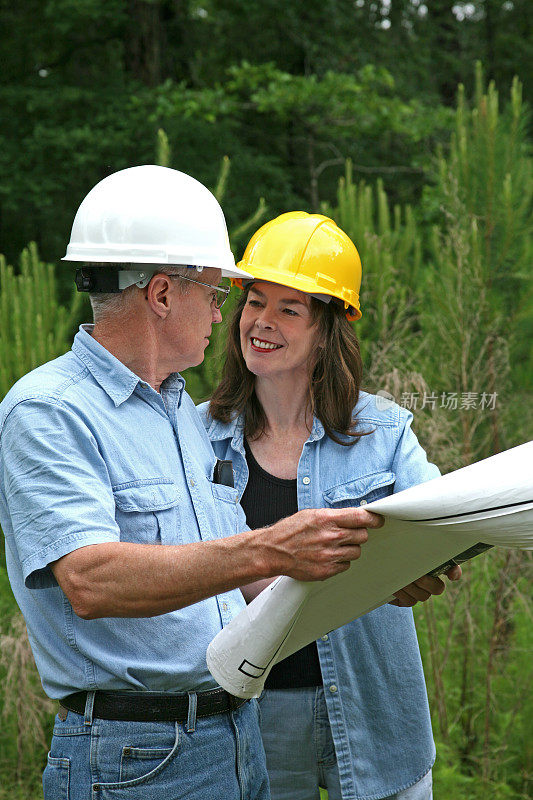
x=152, y=215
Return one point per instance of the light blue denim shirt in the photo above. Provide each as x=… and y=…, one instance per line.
x=90, y=453
x=371, y=668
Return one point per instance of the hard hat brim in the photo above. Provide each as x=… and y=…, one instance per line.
x=318, y=284
x=148, y=258
x=235, y=272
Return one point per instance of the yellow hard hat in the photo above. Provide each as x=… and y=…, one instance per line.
x=308, y=252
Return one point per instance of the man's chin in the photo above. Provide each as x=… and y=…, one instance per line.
x=199, y=360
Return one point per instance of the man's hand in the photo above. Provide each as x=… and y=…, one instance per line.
x=315, y=544
x=422, y=589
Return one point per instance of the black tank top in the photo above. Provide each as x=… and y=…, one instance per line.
x=266, y=500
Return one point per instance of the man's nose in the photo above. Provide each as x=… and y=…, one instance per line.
x=216, y=315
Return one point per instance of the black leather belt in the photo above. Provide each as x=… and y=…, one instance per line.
x=152, y=706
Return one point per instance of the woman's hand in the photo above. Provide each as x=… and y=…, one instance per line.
x=422, y=589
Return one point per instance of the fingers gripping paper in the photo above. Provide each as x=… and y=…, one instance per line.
x=489, y=502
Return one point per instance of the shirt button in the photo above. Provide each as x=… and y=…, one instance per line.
x=333, y=688
x=362, y=503
x=225, y=606
x=306, y=480
x=325, y=638
x=192, y=482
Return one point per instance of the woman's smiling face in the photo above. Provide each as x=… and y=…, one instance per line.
x=276, y=329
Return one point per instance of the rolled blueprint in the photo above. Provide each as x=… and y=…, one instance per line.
x=490, y=502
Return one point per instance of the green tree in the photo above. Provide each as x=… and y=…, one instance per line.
x=310, y=124
x=34, y=326
x=479, y=276
x=477, y=301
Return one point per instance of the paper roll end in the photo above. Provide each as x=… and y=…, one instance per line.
x=240, y=679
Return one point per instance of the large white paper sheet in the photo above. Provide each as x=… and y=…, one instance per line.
x=425, y=526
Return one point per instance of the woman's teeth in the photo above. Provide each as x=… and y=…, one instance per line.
x=265, y=345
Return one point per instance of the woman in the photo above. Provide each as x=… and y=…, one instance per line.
x=350, y=711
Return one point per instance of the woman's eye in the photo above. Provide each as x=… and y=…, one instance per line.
x=254, y=303
x=290, y=312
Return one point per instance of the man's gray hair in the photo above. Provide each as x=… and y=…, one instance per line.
x=106, y=304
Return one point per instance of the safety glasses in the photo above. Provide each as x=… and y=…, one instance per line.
x=220, y=292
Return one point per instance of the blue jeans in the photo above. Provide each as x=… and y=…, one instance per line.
x=211, y=758
x=300, y=752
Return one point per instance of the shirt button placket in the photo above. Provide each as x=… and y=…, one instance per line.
x=305, y=495
x=226, y=610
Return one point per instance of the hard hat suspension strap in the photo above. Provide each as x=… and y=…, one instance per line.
x=109, y=279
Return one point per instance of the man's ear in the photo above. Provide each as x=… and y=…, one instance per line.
x=157, y=295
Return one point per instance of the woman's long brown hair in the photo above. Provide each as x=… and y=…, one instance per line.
x=335, y=373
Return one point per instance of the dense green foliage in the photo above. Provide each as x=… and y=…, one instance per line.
x=287, y=91
x=350, y=108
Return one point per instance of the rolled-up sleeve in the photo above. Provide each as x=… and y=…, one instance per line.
x=410, y=463
x=56, y=487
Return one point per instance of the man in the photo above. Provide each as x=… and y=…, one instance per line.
x=124, y=552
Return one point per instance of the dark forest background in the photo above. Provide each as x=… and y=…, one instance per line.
x=287, y=90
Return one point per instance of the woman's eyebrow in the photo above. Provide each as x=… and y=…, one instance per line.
x=253, y=290
x=288, y=301
x=293, y=302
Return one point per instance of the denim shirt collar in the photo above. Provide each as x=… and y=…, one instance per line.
x=117, y=381
x=317, y=431
x=218, y=431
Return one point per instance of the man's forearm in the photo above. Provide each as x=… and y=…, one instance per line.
x=122, y=579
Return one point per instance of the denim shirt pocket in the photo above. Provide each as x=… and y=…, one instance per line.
x=360, y=491
x=226, y=502
x=146, y=511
